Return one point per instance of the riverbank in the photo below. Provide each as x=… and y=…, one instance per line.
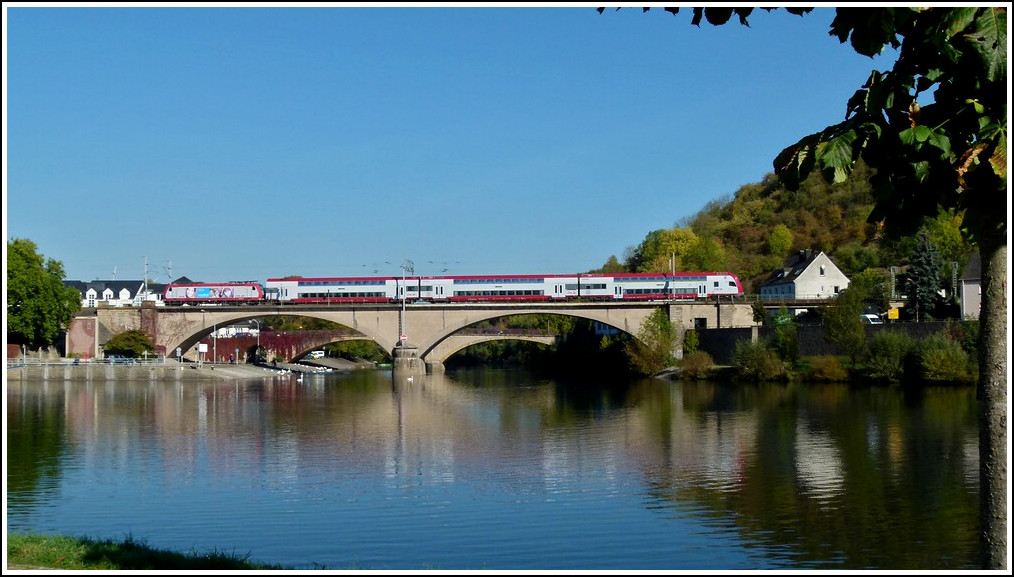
x=59, y=553
x=169, y=370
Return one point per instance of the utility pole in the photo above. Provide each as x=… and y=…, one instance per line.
x=406, y=267
x=144, y=283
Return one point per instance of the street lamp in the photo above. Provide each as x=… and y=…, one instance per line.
x=203, y=324
x=257, y=351
x=406, y=267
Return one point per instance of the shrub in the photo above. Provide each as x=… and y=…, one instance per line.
x=691, y=341
x=965, y=333
x=938, y=358
x=757, y=361
x=133, y=343
x=696, y=365
x=786, y=343
x=827, y=368
x=887, y=354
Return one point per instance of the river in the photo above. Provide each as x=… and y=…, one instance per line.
x=502, y=470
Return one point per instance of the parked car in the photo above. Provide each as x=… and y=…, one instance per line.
x=871, y=319
x=120, y=360
x=315, y=354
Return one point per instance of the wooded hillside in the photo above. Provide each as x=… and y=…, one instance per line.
x=752, y=232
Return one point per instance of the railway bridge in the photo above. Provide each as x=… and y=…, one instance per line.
x=419, y=336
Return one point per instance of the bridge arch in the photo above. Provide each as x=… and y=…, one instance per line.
x=628, y=324
x=446, y=348
x=426, y=325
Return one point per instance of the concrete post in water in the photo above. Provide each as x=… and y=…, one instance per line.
x=406, y=360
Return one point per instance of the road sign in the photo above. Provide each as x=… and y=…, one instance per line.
x=404, y=338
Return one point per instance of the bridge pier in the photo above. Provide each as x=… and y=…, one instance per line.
x=407, y=361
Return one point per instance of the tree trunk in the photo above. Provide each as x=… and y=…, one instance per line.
x=992, y=392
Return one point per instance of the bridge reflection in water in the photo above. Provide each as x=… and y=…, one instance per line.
x=502, y=470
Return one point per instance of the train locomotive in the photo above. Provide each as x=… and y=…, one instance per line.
x=462, y=289
x=220, y=293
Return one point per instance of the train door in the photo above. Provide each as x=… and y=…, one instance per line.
x=702, y=291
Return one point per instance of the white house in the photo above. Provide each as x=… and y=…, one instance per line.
x=805, y=275
x=115, y=293
x=971, y=289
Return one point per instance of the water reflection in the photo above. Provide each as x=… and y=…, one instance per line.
x=499, y=469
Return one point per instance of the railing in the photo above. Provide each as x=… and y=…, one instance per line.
x=13, y=363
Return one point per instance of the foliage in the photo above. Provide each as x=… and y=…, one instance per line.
x=612, y=265
x=826, y=368
x=924, y=277
x=359, y=350
x=707, y=254
x=697, y=365
x=937, y=358
x=874, y=285
x=965, y=333
x=39, y=306
x=780, y=241
x=842, y=324
x=934, y=130
x=757, y=361
x=887, y=354
x=133, y=343
x=786, y=341
x=652, y=350
x=657, y=251
x=691, y=341
x=299, y=323
x=945, y=232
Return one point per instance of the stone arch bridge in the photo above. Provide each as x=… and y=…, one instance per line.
x=433, y=331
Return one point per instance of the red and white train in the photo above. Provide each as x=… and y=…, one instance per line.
x=462, y=289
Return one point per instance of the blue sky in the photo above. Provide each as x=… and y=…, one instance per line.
x=244, y=143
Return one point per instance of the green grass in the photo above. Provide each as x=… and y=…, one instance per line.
x=73, y=553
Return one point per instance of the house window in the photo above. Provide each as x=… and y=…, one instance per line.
x=822, y=267
x=836, y=290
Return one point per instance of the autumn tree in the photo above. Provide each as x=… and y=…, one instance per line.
x=659, y=247
x=652, y=350
x=934, y=130
x=612, y=265
x=39, y=306
x=780, y=241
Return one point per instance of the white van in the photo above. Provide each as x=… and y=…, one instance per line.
x=871, y=319
x=315, y=354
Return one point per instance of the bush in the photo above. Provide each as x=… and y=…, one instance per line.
x=940, y=359
x=696, y=365
x=133, y=343
x=827, y=368
x=757, y=361
x=966, y=334
x=691, y=341
x=787, y=343
x=887, y=355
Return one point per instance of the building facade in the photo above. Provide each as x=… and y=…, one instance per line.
x=806, y=275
